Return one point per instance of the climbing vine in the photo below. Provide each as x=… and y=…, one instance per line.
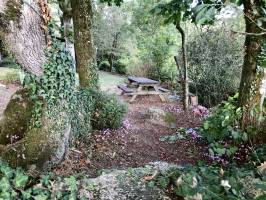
x=57, y=85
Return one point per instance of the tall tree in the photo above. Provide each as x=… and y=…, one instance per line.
x=85, y=54
x=25, y=30
x=253, y=71
x=252, y=74
x=24, y=38
x=175, y=12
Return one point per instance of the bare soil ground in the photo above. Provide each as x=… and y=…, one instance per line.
x=135, y=144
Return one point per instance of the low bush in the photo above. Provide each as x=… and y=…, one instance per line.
x=224, y=122
x=104, y=65
x=120, y=68
x=213, y=183
x=108, y=111
x=15, y=184
x=95, y=110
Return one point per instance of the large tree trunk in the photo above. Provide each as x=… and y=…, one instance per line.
x=184, y=80
x=22, y=32
x=85, y=53
x=252, y=73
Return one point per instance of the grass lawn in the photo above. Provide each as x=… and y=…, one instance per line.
x=107, y=81
x=9, y=74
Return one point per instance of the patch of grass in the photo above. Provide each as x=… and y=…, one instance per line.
x=109, y=81
x=8, y=75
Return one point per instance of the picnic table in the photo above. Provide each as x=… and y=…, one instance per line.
x=142, y=86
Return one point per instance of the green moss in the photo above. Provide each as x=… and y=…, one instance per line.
x=12, y=12
x=38, y=146
x=16, y=117
x=32, y=149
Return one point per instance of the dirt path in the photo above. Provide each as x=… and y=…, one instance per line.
x=137, y=143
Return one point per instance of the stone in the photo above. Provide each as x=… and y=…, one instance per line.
x=24, y=146
x=41, y=147
x=124, y=184
x=158, y=116
x=16, y=117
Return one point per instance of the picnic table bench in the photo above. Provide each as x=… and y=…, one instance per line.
x=142, y=86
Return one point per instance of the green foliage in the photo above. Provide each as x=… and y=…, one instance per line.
x=81, y=114
x=57, y=85
x=104, y=65
x=210, y=183
x=9, y=62
x=110, y=2
x=214, y=60
x=224, y=122
x=8, y=75
x=108, y=111
x=120, y=67
x=15, y=184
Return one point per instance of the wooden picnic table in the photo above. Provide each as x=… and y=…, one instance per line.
x=143, y=86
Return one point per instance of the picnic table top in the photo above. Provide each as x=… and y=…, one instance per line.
x=142, y=80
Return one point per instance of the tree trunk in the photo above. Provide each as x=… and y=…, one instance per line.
x=252, y=73
x=22, y=33
x=85, y=53
x=112, y=54
x=25, y=34
x=67, y=23
x=185, y=71
x=110, y=60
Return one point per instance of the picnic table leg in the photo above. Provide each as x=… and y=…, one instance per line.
x=160, y=95
x=135, y=95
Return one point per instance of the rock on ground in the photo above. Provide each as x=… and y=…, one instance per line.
x=124, y=184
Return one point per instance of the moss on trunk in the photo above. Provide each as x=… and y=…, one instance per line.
x=41, y=147
x=16, y=117
x=85, y=53
x=252, y=73
x=12, y=12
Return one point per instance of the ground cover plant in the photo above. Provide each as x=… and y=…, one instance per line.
x=67, y=131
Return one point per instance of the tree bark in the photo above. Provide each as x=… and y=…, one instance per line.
x=252, y=73
x=85, y=53
x=185, y=71
x=67, y=23
x=25, y=33
x=22, y=32
x=112, y=54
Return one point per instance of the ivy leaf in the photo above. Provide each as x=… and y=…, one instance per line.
x=5, y=185
x=20, y=180
x=41, y=197
x=164, y=182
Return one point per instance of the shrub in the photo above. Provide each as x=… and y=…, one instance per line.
x=199, y=182
x=16, y=184
x=95, y=110
x=104, y=65
x=120, y=68
x=214, y=60
x=108, y=111
x=224, y=122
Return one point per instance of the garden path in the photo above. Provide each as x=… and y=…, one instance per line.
x=137, y=143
